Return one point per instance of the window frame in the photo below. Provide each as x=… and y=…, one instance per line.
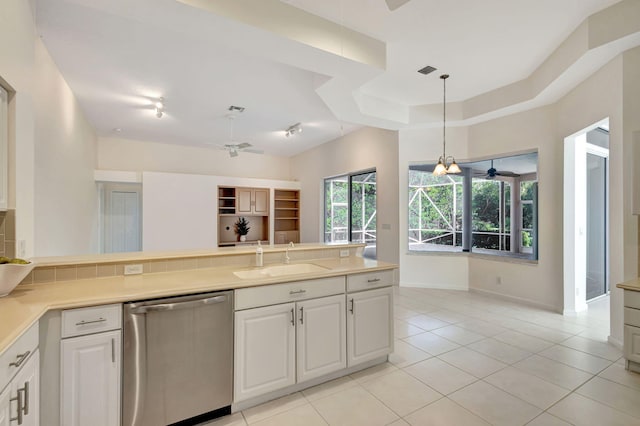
x=349, y=229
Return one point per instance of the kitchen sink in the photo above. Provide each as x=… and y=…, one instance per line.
x=279, y=271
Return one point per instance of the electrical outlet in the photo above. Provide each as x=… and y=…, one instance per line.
x=133, y=269
x=499, y=280
x=344, y=253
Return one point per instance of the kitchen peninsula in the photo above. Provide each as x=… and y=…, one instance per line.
x=321, y=280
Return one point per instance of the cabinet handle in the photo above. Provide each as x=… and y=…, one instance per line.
x=20, y=358
x=301, y=315
x=301, y=291
x=18, y=399
x=83, y=322
x=351, y=308
x=293, y=319
x=113, y=351
x=373, y=280
x=25, y=401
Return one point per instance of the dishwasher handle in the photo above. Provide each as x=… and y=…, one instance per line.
x=180, y=305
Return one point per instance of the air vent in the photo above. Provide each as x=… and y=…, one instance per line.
x=234, y=108
x=427, y=70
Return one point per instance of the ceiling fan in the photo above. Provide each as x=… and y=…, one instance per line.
x=234, y=148
x=492, y=173
x=394, y=4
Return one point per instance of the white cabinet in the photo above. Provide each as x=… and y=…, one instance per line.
x=90, y=380
x=280, y=345
x=264, y=357
x=5, y=411
x=320, y=337
x=272, y=343
x=290, y=333
x=20, y=400
x=90, y=366
x=26, y=388
x=20, y=381
x=369, y=325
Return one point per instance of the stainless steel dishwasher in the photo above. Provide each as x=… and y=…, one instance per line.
x=177, y=359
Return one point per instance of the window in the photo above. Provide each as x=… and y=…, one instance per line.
x=435, y=210
x=502, y=208
x=350, y=210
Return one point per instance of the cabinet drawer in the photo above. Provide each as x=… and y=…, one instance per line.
x=16, y=355
x=632, y=317
x=76, y=322
x=369, y=280
x=253, y=297
x=632, y=299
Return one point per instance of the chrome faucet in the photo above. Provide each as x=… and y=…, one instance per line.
x=287, y=259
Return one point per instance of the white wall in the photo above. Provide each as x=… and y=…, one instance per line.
x=50, y=144
x=422, y=269
x=66, y=196
x=531, y=130
x=179, y=211
x=363, y=149
x=132, y=155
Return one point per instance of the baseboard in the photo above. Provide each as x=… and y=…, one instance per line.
x=520, y=300
x=615, y=342
x=435, y=286
x=243, y=405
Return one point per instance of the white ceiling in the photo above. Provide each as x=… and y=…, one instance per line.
x=117, y=55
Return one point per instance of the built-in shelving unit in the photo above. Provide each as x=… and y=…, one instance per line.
x=250, y=203
x=286, y=216
x=226, y=201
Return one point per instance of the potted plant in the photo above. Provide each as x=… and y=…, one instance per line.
x=241, y=228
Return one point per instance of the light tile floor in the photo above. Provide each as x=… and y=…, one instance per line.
x=463, y=358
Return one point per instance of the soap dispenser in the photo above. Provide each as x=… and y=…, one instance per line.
x=259, y=255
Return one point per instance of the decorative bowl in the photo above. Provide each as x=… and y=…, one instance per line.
x=11, y=274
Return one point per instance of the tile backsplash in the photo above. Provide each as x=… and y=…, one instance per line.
x=8, y=233
x=45, y=274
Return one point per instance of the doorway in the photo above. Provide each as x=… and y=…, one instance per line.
x=597, y=193
x=121, y=217
x=586, y=216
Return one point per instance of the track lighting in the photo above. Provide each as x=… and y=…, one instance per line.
x=293, y=129
x=159, y=106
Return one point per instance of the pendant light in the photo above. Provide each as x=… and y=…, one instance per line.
x=444, y=166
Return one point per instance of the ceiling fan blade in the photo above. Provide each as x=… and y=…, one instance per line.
x=254, y=151
x=243, y=145
x=394, y=4
x=507, y=174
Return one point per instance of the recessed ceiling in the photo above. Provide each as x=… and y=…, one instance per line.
x=117, y=55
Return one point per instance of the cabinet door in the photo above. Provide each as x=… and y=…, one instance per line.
x=27, y=382
x=321, y=337
x=90, y=380
x=264, y=357
x=243, y=200
x=5, y=406
x=369, y=325
x=632, y=343
x=261, y=201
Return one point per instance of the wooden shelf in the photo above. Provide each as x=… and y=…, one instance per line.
x=286, y=216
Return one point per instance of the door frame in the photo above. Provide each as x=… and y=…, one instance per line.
x=575, y=219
